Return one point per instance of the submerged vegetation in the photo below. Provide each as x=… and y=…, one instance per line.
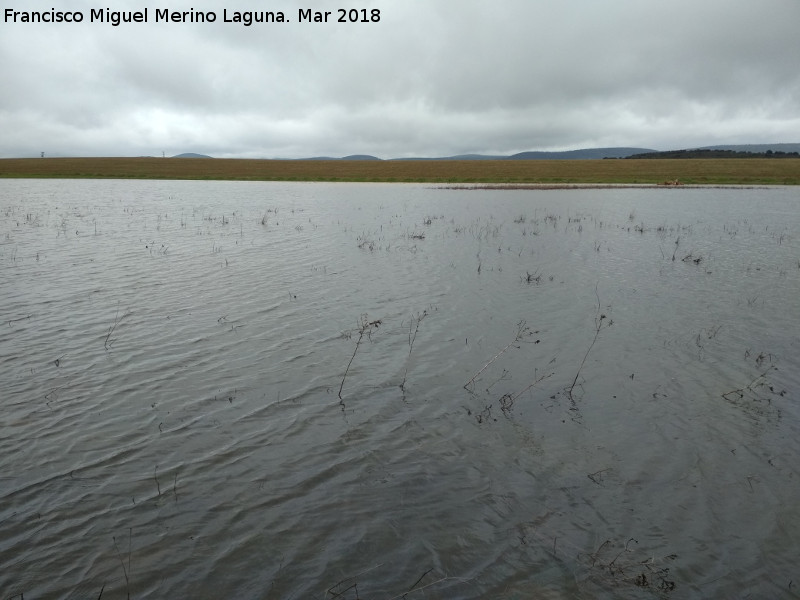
x=711, y=171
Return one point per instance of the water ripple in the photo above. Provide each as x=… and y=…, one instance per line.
x=172, y=355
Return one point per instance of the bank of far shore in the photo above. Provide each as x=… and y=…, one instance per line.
x=540, y=174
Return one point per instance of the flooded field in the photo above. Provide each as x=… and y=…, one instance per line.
x=376, y=391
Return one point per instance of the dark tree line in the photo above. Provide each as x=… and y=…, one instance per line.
x=716, y=154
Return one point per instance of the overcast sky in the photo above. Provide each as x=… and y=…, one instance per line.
x=430, y=78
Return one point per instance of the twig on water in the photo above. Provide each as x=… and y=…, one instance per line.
x=334, y=593
x=10, y=321
x=504, y=376
x=523, y=331
x=759, y=381
x=597, y=476
x=621, y=571
x=507, y=400
x=677, y=243
x=532, y=384
x=421, y=577
x=365, y=327
x=108, y=341
x=610, y=565
x=413, y=328
x=598, y=326
x=122, y=562
x=155, y=476
x=594, y=556
x=427, y=585
x=534, y=277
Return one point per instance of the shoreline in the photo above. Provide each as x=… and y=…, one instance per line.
x=607, y=186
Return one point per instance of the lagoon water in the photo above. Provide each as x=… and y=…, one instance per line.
x=257, y=390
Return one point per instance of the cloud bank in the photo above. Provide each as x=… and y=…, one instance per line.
x=428, y=78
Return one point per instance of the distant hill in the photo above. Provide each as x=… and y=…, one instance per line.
x=458, y=157
x=350, y=157
x=584, y=154
x=191, y=155
x=475, y=157
x=729, y=151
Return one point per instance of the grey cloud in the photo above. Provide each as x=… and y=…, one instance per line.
x=432, y=78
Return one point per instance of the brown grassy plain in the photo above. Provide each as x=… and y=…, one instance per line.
x=744, y=171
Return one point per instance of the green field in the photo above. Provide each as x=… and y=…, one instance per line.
x=744, y=171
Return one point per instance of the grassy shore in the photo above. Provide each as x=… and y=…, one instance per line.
x=756, y=171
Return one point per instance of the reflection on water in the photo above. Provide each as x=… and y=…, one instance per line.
x=363, y=391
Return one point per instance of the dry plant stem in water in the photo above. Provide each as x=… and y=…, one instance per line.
x=365, y=327
x=598, y=326
x=530, y=385
x=109, y=341
x=338, y=590
x=413, y=328
x=759, y=381
x=523, y=331
x=125, y=571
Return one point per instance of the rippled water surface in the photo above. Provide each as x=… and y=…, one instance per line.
x=264, y=390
